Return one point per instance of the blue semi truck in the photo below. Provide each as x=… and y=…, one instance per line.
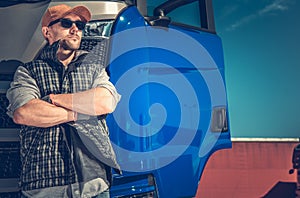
x=166, y=60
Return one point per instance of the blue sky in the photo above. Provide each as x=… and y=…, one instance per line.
x=261, y=41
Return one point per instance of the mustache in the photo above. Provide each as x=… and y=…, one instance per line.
x=73, y=36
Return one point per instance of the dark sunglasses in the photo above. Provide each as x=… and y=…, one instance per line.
x=67, y=23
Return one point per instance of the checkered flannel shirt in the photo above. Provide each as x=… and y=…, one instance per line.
x=44, y=153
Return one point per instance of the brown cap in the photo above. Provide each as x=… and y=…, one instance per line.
x=62, y=10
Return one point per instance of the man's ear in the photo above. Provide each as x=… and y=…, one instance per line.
x=45, y=31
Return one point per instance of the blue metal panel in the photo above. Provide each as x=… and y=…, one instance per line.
x=170, y=80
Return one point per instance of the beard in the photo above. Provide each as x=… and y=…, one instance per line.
x=70, y=43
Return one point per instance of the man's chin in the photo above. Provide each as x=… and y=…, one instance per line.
x=72, y=44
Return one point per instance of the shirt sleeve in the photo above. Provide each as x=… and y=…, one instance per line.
x=101, y=79
x=22, y=89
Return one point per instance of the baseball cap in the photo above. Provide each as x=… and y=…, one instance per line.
x=60, y=11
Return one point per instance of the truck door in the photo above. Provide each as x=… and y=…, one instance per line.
x=166, y=61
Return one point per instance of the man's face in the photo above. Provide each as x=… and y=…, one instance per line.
x=70, y=38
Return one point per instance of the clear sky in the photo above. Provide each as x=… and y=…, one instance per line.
x=261, y=41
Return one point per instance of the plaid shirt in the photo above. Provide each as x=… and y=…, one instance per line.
x=45, y=153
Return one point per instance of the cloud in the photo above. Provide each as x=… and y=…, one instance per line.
x=274, y=7
x=277, y=5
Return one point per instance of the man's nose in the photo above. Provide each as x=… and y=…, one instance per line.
x=74, y=28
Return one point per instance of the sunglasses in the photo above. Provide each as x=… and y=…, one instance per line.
x=67, y=23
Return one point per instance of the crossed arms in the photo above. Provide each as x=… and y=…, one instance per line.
x=28, y=109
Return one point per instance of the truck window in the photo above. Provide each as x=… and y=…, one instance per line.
x=188, y=14
x=193, y=14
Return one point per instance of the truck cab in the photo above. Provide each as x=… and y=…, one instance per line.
x=165, y=59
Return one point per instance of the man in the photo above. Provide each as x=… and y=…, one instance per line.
x=58, y=99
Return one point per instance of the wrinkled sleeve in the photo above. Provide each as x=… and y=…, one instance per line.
x=22, y=89
x=101, y=79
